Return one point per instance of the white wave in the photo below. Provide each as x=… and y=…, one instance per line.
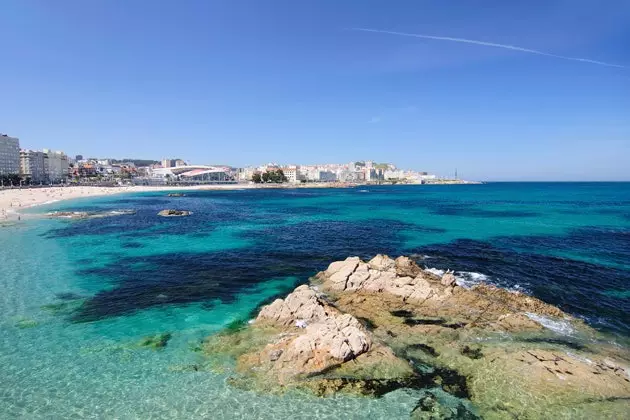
x=435, y=271
x=363, y=191
x=468, y=279
x=420, y=256
x=557, y=326
x=465, y=279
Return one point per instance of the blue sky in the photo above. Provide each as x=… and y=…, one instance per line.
x=248, y=82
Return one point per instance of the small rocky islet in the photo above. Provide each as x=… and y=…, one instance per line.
x=373, y=327
x=174, y=213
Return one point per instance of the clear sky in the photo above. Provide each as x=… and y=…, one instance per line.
x=248, y=82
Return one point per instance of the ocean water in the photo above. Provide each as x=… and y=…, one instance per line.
x=77, y=297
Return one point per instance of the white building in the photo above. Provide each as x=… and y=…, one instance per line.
x=245, y=174
x=292, y=173
x=57, y=166
x=9, y=155
x=394, y=174
x=190, y=173
x=34, y=165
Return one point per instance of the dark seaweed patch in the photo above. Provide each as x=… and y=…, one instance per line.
x=402, y=313
x=425, y=348
x=68, y=296
x=367, y=323
x=132, y=245
x=474, y=352
x=285, y=251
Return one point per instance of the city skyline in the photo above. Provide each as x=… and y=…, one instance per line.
x=507, y=92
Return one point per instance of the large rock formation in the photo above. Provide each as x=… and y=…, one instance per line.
x=374, y=326
x=327, y=336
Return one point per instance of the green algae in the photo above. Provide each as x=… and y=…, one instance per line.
x=26, y=323
x=156, y=342
x=65, y=308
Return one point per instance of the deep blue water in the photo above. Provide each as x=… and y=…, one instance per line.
x=566, y=243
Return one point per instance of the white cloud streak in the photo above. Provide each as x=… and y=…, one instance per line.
x=490, y=44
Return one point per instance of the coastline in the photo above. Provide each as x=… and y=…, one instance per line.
x=15, y=199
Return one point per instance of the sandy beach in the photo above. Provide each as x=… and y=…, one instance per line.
x=13, y=200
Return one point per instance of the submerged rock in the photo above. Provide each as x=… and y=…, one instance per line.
x=429, y=407
x=24, y=323
x=156, y=342
x=64, y=308
x=78, y=215
x=174, y=213
x=484, y=343
x=176, y=195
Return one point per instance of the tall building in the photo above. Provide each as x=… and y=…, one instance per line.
x=168, y=163
x=9, y=155
x=34, y=165
x=57, y=166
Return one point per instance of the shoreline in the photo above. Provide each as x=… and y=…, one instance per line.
x=13, y=200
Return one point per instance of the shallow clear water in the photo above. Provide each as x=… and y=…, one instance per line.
x=140, y=275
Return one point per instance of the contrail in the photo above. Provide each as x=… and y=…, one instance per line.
x=490, y=44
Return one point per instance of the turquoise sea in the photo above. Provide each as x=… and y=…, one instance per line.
x=77, y=297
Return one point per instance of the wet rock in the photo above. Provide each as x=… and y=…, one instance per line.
x=430, y=408
x=174, y=213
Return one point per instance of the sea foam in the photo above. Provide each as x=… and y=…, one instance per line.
x=557, y=326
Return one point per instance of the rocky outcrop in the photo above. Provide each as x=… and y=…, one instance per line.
x=174, y=213
x=371, y=327
x=323, y=336
x=482, y=306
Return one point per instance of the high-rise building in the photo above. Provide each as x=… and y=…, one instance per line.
x=9, y=155
x=34, y=165
x=78, y=157
x=57, y=166
x=168, y=163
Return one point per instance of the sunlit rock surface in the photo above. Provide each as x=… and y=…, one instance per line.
x=372, y=327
